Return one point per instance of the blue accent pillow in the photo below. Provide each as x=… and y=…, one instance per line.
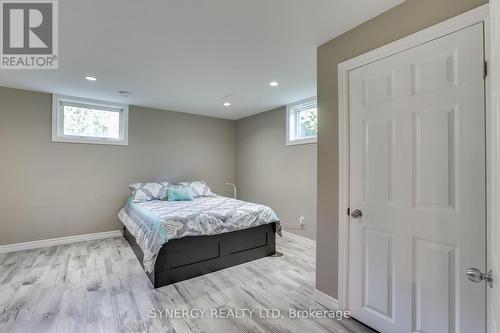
x=179, y=194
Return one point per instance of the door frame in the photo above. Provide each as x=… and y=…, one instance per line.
x=472, y=17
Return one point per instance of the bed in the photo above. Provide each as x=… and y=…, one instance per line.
x=179, y=240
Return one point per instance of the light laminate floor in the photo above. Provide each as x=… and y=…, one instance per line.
x=99, y=286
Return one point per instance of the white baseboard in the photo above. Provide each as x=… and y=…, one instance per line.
x=328, y=300
x=59, y=241
x=288, y=234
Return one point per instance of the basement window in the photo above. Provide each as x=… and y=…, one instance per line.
x=302, y=122
x=81, y=120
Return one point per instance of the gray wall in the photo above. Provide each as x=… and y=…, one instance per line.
x=272, y=173
x=61, y=189
x=408, y=17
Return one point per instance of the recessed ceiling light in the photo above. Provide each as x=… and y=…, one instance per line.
x=90, y=78
x=124, y=93
x=274, y=84
x=227, y=104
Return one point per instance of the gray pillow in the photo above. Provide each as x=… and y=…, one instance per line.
x=149, y=191
x=199, y=188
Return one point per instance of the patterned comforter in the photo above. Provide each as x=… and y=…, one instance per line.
x=153, y=223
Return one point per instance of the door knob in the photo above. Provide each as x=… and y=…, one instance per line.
x=475, y=275
x=356, y=213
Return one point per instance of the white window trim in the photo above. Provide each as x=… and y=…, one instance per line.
x=289, y=116
x=57, y=121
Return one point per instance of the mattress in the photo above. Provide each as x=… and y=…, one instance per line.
x=154, y=223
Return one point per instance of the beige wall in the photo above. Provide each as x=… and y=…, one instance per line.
x=61, y=189
x=408, y=17
x=272, y=173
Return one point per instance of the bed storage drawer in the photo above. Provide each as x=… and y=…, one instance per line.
x=247, y=240
x=192, y=256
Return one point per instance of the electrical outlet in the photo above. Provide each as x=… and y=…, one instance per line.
x=299, y=226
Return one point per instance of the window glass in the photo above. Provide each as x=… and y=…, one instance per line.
x=308, y=123
x=80, y=121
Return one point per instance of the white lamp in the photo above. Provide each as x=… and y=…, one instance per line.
x=235, y=193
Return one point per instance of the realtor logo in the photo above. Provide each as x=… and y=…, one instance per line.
x=28, y=34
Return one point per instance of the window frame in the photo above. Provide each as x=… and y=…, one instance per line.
x=292, y=123
x=58, y=102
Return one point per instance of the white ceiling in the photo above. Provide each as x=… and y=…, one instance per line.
x=186, y=55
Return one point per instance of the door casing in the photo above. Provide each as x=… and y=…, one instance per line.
x=474, y=16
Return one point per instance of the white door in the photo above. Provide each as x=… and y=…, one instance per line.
x=417, y=174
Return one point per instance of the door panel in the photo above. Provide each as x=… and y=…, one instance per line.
x=434, y=142
x=378, y=152
x=378, y=89
x=379, y=273
x=417, y=168
x=434, y=73
x=435, y=287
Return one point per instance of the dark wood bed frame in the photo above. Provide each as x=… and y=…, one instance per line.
x=188, y=257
